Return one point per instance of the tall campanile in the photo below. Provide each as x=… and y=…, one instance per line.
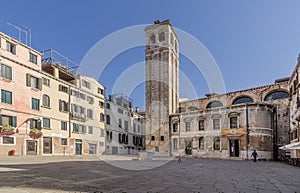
x=162, y=85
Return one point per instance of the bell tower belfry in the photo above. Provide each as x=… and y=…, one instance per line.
x=162, y=85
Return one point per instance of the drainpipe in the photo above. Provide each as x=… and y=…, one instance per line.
x=247, y=132
x=69, y=119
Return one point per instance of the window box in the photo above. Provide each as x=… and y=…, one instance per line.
x=35, y=133
x=7, y=130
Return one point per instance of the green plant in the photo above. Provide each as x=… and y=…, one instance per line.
x=7, y=130
x=35, y=133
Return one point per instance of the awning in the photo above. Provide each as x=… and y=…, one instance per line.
x=291, y=146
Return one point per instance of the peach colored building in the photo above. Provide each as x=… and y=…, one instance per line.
x=20, y=84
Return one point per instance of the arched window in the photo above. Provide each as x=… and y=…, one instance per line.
x=244, y=99
x=277, y=95
x=214, y=104
x=46, y=100
x=108, y=119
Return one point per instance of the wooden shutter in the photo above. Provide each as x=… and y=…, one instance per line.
x=0, y=119
x=31, y=123
x=28, y=77
x=60, y=105
x=39, y=82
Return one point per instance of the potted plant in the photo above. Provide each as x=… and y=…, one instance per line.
x=35, y=133
x=7, y=130
x=12, y=152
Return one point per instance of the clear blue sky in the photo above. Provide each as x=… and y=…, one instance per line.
x=253, y=42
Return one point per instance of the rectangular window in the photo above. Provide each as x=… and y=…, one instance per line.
x=90, y=99
x=216, y=124
x=6, y=96
x=75, y=93
x=86, y=84
x=75, y=127
x=82, y=129
x=8, y=120
x=33, y=82
x=233, y=122
x=126, y=125
x=64, y=141
x=6, y=72
x=63, y=88
x=35, y=104
x=134, y=127
x=6, y=140
x=101, y=144
x=46, y=81
x=63, y=106
x=10, y=47
x=34, y=123
x=201, y=125
x=33, y=58
x=91, y=130
x=63, y=125
x=187, y=126
x=101, y=132
x=90, y=114
x=120, y=110
x=46, y=123
x=82, y=96
x=100, y=91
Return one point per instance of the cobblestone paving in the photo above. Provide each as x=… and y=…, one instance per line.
x=89, y=174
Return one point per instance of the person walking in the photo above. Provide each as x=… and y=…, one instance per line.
x=254, y=155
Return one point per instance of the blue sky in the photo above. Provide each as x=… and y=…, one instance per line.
x=253, y=42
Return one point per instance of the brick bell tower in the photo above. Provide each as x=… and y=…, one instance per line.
x=162, y=85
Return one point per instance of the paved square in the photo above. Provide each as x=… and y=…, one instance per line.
x=89, y=174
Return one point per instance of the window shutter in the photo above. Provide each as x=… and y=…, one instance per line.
x=14, y=121
x=68, y=107
x=39, y=125
x=28, y=79
x=31, y=123
x=60, y=105
x=60, y=87
x=0, y=119
x=39, y=84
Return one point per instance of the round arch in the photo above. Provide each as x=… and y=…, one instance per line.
x=276, y=94
x=242, y=99
x=214, y=104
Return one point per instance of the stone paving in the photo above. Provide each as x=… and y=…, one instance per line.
x=90, y=174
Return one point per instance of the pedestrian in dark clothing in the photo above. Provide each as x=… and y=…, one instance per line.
x=254, y=155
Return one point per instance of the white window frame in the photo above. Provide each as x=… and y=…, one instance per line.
x=12, y=73
x=8, y=144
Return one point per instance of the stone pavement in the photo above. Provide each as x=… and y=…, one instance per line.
x=90, y=174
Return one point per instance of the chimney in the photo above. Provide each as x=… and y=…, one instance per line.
x=137, y=109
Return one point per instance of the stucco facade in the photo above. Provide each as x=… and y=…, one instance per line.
x=20, y=84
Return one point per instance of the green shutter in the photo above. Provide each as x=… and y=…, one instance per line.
x=14, y=121
x=39, y=124
x=60, y=105
x=0, y=119
x=31, y=123
x=68, y=107
x=28, y=76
